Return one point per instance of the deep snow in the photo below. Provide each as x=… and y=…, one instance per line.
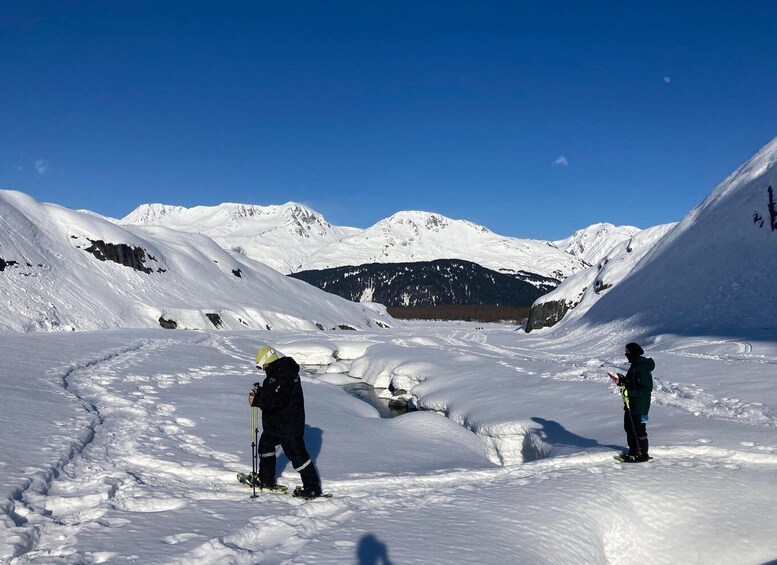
x=122, y=446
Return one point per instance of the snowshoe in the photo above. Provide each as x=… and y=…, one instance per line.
x=632, y=458
x=252, y=480
x=309, y=493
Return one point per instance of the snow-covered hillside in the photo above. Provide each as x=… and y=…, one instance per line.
x=292, y=238
x=581, y=290
x=279, y=236
x=422, y=236
x=64, y=270
x=593, y=243
x=716, y=271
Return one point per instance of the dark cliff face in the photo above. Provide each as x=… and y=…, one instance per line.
x=121, y=253
x=430, y=283
x=547, y=314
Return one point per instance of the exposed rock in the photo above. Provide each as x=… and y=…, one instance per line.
x=167, y=324
x=215, y=319
x=397, y=403
x=120, y=253
x=4, y=264
x=547, y=314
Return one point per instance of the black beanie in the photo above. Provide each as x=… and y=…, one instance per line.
x=634, y=349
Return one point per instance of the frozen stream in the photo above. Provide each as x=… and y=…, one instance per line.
x=384, y=406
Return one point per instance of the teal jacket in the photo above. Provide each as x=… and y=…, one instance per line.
x=637, y=385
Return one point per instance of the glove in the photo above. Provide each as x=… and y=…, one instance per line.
x=255, y=393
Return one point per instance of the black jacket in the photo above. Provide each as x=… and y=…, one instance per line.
x=637, y=384
x=281, y=399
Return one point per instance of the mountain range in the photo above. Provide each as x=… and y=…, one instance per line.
x=297, y=240
x=293, y=238
x=65, y=270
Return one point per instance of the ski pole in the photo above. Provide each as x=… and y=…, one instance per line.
x=254, y=448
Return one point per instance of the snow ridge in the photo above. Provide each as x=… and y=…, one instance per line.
x=293, y=238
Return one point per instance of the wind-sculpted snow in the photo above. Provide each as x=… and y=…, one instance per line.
x=123, y=446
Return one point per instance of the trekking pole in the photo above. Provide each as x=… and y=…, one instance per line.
x=254, y=447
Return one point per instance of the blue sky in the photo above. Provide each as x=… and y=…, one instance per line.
x=532, y=118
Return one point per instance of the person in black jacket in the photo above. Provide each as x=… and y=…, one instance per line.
x=636, y=387
x=283, y=421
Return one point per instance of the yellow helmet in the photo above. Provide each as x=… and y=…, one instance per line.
x=266, y=355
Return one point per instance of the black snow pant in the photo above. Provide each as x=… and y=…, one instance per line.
x=294, y=448
x=636, y=432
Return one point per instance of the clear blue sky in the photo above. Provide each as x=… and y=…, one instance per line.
x=532, y=118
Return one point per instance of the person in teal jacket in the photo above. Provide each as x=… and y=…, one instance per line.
x=636, y=388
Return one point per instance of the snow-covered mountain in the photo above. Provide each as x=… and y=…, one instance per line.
x=293, y=238
x=581, y=290
x=421, y=236
x=63, y=269
x=714, y=272
x=593, y=243
x=279, y=236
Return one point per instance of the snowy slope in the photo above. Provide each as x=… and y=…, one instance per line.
x=422, y=236
x=279, y=236
x=52, y=278
x=716, y=271
x=581, y=290
x=592, y=244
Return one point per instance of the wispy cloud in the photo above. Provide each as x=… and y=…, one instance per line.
x=42, y=166
x=561, y=161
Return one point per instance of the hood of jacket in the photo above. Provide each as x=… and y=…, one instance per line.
x=645, y=363
x=284, y=364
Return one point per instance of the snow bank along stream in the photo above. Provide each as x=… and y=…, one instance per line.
x=396, y=380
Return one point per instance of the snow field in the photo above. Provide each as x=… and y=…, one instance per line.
x=153, y=426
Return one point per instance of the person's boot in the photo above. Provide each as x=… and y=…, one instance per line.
x=307, y=493
x=643, y=448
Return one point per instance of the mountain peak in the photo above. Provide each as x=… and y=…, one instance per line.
x=429, y=221
x=591, y=244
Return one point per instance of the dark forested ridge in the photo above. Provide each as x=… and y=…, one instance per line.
x=430, y=283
